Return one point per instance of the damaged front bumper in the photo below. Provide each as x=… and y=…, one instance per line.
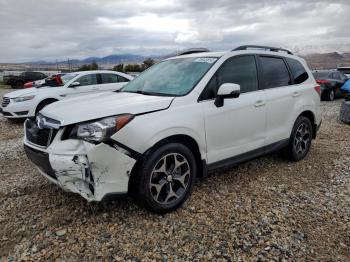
x=93, y=171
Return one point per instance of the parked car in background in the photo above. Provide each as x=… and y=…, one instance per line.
x=20, y=80
x=330, y=81
x=54, y=80
x=28, y=102
x=175, y=121
x=345, y=70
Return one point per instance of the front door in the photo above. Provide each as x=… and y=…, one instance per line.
x=88, y=84
x=239, y=126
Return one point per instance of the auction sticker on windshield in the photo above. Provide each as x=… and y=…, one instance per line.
x=209, y=60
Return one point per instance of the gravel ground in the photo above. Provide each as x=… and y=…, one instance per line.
x=265, y=209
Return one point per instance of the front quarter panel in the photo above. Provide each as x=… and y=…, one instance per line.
x=144, y=131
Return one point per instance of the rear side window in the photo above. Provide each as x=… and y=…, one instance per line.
x=275, y=72
x=87, y=80
x=298, y=71
x=109, y=78
x=239, y=70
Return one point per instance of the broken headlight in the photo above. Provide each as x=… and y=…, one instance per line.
x=100, y=130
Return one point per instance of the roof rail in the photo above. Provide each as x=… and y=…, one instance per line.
x=192, y=51
x=269, y=48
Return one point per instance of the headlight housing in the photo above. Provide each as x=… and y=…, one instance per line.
x=102, y=129
x=23, y=98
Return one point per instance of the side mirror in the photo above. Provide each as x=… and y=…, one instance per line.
x=74, y=84
x=227, y=90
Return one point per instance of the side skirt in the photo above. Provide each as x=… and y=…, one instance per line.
x=249, y=155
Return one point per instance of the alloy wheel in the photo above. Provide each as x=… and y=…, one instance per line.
x=302, y=139
x=170, y=178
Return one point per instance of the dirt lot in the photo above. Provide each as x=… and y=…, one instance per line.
x=265, y=209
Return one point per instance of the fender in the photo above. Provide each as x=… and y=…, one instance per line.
x=163, y=134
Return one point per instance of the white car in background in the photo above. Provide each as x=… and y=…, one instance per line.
x=28, y=102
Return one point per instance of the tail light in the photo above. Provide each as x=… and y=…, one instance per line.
x=318, y=90
x=322, y=82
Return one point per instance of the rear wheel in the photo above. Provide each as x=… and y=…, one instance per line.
x=300, y=139
x=330, y=95
x=18, y=84
x=166, y=177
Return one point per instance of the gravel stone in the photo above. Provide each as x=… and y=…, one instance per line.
x=267, y=209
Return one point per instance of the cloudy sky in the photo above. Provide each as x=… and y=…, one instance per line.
x=58, y=29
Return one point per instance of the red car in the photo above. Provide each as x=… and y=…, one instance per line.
x=54, y=80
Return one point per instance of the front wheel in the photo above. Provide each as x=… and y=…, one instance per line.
x=300, y=139
x=166, y=177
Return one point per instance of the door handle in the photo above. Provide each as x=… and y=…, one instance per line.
x=259, y=103
x=296, y=94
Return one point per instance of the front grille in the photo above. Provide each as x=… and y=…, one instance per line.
x=5, y=101
x=41, y=137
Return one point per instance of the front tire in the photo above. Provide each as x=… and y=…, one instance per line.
x=166, y=177
x=300, y=139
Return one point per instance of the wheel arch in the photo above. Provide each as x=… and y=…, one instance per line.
x=183, y=139
x=47, y=100
x=311, y=116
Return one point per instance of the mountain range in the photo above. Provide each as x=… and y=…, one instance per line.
x=110, y=59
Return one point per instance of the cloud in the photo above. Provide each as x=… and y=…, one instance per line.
x=58, y=29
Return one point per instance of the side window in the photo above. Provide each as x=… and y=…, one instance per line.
x=336, y=76
x=239, y=70
x=109, y=78
x=275, y=72
x=298, y=71
x=88, y=80
x=122, y=79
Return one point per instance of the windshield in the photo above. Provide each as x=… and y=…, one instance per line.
x=175, y=77
x=67, y=77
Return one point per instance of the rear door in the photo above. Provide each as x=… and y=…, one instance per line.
x=281, y=97
x=111, y=82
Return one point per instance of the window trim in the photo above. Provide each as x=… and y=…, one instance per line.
x=291, y=78
x=200, y=99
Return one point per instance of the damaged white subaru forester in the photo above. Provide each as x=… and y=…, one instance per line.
x=178, y=120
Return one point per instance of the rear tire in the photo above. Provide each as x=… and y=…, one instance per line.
x=300, y=139
x=330, y=95
x=18, y=85
x=166, y=177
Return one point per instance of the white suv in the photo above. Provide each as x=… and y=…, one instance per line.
x=178, y=120
x=28, y=102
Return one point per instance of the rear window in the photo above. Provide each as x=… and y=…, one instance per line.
x=275, y=72
x=298, y=71
x=344, y=70
x=320, y=75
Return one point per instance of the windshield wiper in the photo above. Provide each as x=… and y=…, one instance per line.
x=147, y=93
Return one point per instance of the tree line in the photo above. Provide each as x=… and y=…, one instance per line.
x=121, y=67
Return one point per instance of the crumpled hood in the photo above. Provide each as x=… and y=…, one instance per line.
x=94, y=106
x=28, y=91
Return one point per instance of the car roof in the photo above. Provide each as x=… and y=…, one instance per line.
x=101, y=71
x=248, y=51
